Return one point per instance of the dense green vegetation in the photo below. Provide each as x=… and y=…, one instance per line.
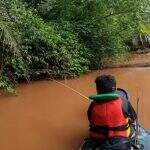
x=146, y=25
x=39, y=38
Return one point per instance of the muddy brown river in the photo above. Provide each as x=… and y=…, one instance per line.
x=47, y=116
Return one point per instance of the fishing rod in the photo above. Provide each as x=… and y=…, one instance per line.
x=60, y=83
x=82, y=95
x=65, y=85
x=137, y=118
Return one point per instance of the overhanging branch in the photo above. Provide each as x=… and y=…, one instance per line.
x=118, y=13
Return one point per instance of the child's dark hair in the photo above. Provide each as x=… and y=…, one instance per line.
x=105, y=83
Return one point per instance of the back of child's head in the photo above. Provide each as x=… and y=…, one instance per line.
x=105, y=84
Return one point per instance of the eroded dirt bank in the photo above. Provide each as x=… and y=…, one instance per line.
x=130, y=61
x=47, y=116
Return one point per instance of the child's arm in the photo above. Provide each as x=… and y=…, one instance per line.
x=89, y=111
x=129, y=111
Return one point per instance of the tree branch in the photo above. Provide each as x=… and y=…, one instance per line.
x=118, y=13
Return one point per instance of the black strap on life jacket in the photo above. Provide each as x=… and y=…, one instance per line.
x=105, y=129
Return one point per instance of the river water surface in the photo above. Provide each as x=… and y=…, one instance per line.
x=47, y=116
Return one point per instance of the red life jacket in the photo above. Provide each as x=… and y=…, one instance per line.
x=107, y=120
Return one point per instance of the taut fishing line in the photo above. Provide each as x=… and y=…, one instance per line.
x=65, y=85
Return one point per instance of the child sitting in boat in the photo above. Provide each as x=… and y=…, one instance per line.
x=109, y=115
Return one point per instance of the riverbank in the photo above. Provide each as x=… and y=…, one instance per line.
x=130, y=60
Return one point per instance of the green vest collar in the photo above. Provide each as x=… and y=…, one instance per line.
x=104, y=97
